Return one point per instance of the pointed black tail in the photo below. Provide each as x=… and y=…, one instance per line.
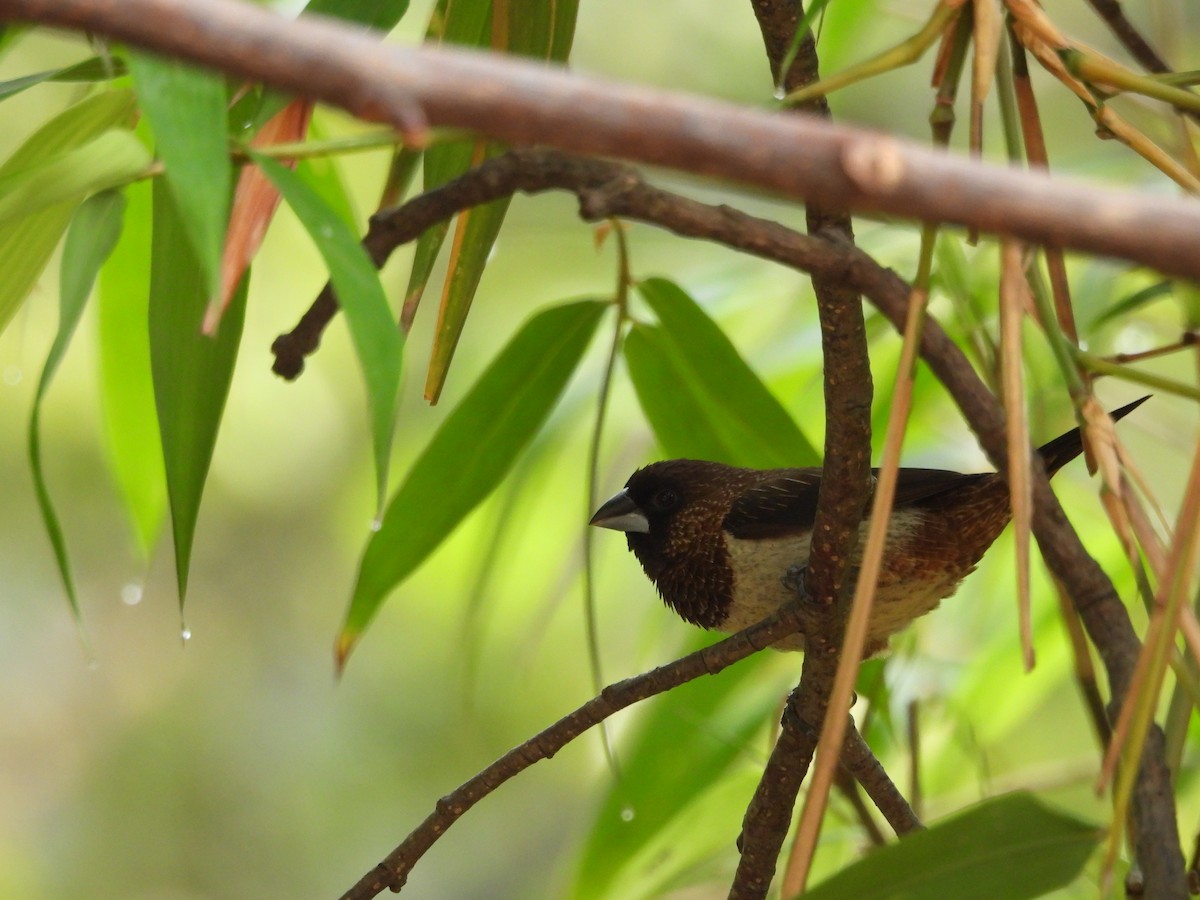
x=1066, y=447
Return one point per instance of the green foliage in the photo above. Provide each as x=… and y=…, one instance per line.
x=378, y=342
x=1010, y=847
x=98, y=68
x=703, y=400
x=471, y=453
x=186, y=110
x=90, y=240
x=537, y=28
x=26, y=245
x=126, y=387
x=192, y=372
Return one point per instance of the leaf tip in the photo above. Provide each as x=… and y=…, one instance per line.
x=345, y=642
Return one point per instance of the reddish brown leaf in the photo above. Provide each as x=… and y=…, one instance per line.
x=254, y=203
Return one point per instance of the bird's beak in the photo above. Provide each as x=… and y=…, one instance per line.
x=620, y=513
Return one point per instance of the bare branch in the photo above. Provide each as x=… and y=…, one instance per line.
x=526, y=103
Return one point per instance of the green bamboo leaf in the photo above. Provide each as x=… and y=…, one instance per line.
x=684, y=745
x=476, y=234
x=377, y=340
x=1013, y=844
x=131, y=430
x=191, y=372
x=91, y=238
x=742, y=410
x=382, y=15
x=470, y=454
x=25, y=246
x=680, y=422
x=541, y=29
x=186, y=109
x=1134, y=301
x=98, y=68
x=463, y=22
x=111, y=160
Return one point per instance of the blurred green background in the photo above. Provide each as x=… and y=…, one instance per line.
x=235, y=765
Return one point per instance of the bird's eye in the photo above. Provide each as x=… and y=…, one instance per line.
x=664, y=500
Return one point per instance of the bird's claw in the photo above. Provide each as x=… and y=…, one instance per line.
x=793, y=580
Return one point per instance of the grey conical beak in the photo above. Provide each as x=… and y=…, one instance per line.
x=620, y=513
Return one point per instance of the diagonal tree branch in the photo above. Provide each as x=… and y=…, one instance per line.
x=610, y=190
x=524, y=103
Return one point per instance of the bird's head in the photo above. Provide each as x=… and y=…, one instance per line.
x=667, y=507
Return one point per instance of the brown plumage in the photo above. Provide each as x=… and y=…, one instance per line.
x=716, y=540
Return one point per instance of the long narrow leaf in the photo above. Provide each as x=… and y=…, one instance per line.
x=471, y=452
x=186, y=109
x=26, y=245
x=90, y=240
x=191, y=372
x=378, y=342
x=463, y=22
x=378, y=14
x=680, y=422
x=540, y=29
x=1007, y=848
x=111, y=160
x=98, y=68
x=131, y=431
x=740, y=406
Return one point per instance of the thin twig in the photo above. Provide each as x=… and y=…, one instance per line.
x=394, y=869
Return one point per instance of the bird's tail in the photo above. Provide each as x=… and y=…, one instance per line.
x=1066, y=447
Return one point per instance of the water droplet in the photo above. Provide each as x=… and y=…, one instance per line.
x=13, y=375
x=186, y=633
x=131, y=594
x=627, y=814
x=780, y=92
x=376, y=523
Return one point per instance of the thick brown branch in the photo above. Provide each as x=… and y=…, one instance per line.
x=843, y=495
x=525, y=103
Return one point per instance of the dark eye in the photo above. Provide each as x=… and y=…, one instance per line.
x=664, y=500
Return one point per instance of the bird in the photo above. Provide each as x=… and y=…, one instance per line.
x=717, y=540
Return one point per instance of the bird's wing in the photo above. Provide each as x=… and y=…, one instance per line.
x=916, y=485
x=784, y=502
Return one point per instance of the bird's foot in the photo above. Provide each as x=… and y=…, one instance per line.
x=793, y=580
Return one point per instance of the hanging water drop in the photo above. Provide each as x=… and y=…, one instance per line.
x=627, y=814
x=376, y=523
x=186, y=634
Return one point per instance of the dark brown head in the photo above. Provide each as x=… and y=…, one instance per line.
x=672, y=513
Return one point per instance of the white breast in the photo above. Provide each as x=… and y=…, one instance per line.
x=760, y=565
